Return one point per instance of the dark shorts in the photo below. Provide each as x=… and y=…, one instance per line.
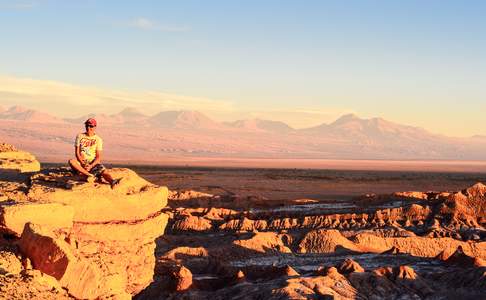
x=97, y=170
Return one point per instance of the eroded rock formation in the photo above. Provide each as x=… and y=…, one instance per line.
x=406, y=245
x=93, y=240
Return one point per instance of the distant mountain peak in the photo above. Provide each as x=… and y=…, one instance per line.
x=18, y=109
x=347, y=118
x=130, y=111
x=350, y=116
x=183, y=119
x=193, y=113
x=261, y=125
x=21, y=113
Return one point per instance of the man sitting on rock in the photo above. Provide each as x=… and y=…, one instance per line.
x=88, y=147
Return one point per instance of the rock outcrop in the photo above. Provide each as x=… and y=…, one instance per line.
x=15, y=160
x=94, y=240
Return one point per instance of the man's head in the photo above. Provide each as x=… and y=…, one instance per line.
x=90, y=126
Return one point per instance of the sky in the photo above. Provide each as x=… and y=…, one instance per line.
x=305, y=62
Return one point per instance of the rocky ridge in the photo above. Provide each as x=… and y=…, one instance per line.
x=406, y=245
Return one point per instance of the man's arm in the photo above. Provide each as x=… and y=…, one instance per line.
x=79, y=156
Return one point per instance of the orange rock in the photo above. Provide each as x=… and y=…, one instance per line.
x=141, y=231
x=134, y=199
x=219, y=214
x=383, y=271
x=18, y=161
x=412, y=194
x=240, y=276
x=4, y=147
x=264, y=242
x=182, y=277
x=467, y=207
x=349, y=266
x=55, y=258
x=244, y=224
x=289, y=271
x=326, y=241
x=187, y=195
x=183, y=251
x=405, y=272
x=192, y=223
x=418, y=246
x=9, y=263
x=14, y=217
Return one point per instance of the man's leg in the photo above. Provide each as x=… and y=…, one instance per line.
x=75, y=165
x=107, y=176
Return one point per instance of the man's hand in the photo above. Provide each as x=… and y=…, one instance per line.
x=86, y=165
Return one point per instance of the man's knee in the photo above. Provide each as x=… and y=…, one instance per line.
x=72, y=162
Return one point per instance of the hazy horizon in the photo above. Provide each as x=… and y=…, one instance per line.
x=73, y=101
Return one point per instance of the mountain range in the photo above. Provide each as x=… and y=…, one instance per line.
x=131, y=133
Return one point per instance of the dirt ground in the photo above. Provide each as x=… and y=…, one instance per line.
x=278, y=184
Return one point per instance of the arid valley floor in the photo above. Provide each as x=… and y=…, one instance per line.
x=278, y=233
x=241, y=234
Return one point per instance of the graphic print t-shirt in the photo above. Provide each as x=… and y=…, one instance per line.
x=88, y=146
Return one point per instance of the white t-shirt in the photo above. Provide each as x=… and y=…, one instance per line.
x=88, y=146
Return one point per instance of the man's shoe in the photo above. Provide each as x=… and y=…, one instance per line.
x=115, y=182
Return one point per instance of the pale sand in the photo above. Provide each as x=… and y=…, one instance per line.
x=379, y=165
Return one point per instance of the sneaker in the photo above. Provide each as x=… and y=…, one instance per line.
x=91, y=179
x=115, y=182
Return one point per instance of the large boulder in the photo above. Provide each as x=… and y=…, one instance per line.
x=54, y=256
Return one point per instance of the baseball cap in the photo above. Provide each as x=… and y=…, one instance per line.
x=91, y=122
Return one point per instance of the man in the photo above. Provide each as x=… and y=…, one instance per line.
x=88, y=149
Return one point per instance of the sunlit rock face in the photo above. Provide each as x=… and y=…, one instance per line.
x=12, y=159
x=94, y=240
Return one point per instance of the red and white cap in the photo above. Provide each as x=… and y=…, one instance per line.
x=91, y=122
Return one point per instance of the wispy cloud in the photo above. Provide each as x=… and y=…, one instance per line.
x=18, y=5
x=72, y=100
x=151, y=25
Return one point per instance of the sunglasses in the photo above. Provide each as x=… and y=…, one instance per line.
x=91, y=126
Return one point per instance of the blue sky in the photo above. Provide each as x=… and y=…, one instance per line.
x=414, y=62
